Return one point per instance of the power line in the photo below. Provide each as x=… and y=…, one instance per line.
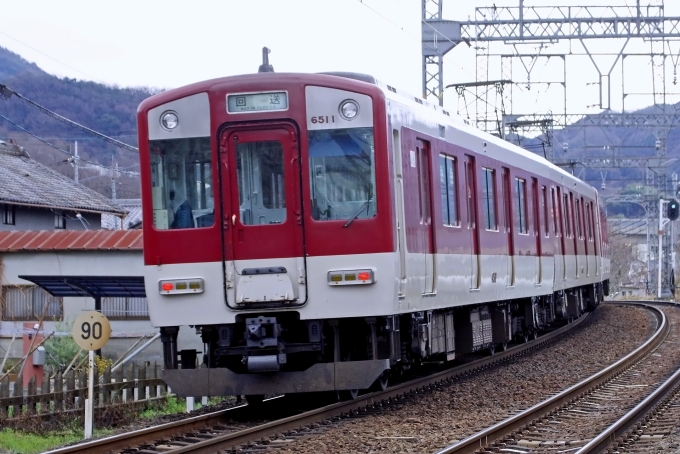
x=67, y=152
x=7, y=92
x=50, y=57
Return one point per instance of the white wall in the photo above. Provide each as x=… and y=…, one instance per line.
x=94, y=263
x=27, y=218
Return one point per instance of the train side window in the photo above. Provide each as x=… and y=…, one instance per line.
x=579, y=230
x=489, y=198
x=521, y=217
x=553, y=211
x=566, y=217
x=546, y=222
x=448, y=177
x=589, y=232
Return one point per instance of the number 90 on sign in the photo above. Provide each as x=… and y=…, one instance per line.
x=91, y=330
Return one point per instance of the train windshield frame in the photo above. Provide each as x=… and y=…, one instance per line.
x=342, y=174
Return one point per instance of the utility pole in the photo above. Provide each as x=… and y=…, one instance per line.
x=113, y=181
x=75, y=163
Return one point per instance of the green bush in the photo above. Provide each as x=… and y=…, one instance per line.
x=60, y=350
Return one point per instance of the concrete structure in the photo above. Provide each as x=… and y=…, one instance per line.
x=89, y=253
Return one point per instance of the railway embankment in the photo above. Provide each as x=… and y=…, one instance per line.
x=432, y=420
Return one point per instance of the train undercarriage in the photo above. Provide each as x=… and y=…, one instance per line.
x=276, y=352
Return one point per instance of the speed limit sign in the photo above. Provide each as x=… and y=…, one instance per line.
x=91, y=330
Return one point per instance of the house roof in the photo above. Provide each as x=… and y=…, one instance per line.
x=27, y=182
x=71, y=240
x=132, y=219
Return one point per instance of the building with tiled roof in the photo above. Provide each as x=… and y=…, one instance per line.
x=133, y=219
x=35, y=197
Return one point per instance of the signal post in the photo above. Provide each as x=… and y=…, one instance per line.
x=91, y=331
x=672, y=212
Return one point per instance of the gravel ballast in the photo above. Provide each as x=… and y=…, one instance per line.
x=439, y=417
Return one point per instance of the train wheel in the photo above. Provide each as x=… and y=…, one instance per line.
x=349, y=394
x=254, y=399
x=526, y=338
x=534, y=335
x=492, y=349
x=382, y=382
x=504, y=346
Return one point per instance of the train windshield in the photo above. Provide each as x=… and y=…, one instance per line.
x=342, y=172
x=181, y=180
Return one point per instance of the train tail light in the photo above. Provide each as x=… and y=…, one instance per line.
x=179, y=286
x=351, y=277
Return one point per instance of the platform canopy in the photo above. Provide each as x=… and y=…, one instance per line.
x=93, y=286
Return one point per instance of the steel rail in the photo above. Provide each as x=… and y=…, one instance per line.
x=236, y=438
x=493, y=433
x=147, y=434
x=609, y=436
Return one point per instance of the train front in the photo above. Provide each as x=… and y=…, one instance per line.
x=269, y=234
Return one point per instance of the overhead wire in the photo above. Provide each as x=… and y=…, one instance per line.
x=49, y=56
x=403, y=29
x=7, y=92
x=67, y=152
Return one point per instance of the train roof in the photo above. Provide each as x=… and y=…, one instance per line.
x=444, y=117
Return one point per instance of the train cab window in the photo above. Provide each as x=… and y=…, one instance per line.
x=261, y=183
x=521, y=213
x=342, y=173
x=489, y=198
x=181, y=183
x=448, y=178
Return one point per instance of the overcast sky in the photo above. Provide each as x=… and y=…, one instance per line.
x=170, y=43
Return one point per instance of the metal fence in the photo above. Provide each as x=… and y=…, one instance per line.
x=121, y=308
x=27, y=302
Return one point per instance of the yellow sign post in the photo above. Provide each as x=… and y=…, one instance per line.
x=91, y=331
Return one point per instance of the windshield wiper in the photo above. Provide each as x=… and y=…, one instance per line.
x=356, y=215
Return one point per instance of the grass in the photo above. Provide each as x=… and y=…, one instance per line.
x=17, y=442
x=174, y=405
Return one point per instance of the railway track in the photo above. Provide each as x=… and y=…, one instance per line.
x=216, y=431
x=579, y=419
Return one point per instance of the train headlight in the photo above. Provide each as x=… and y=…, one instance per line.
x=169, y=120
x=178, y=286
x=351, y=277
x=348, y=109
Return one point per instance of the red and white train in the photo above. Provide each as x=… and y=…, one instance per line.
x=322, y=231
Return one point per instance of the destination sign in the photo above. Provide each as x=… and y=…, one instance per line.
x=257, y=102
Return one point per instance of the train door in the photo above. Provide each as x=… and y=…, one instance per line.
x=585, y=221
x=424, y=167
x=537, y=229
x=509, y=231
x=574, y=236
x=471, y=197
x=399, y=202
x=561, y=213
x=595, y=229
x=259, y=178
